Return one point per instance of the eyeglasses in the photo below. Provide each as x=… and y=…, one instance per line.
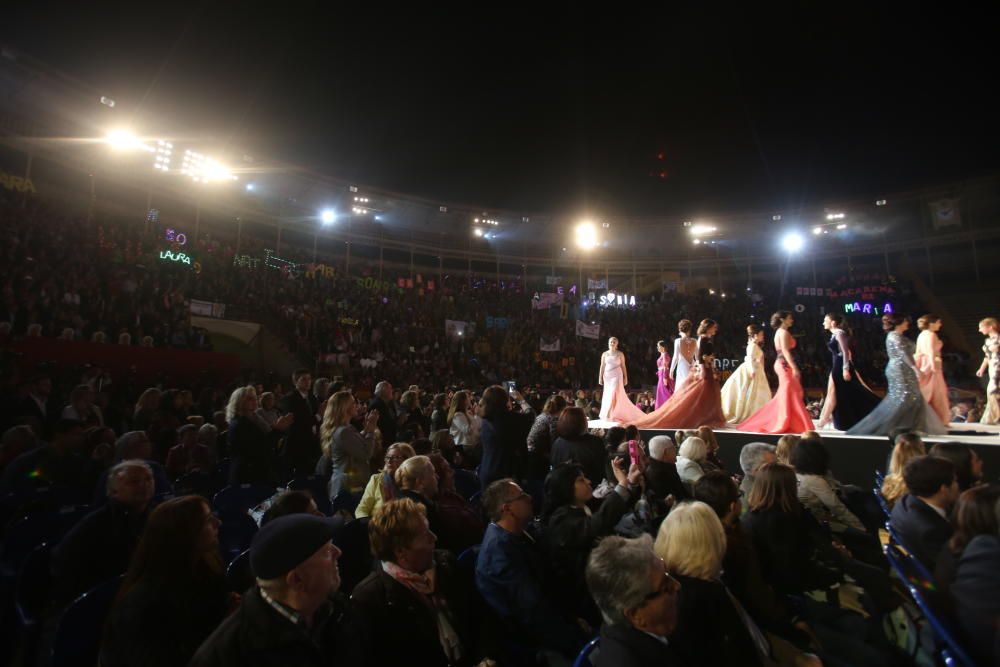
x=520, y=496
x=669, y=585
x=395, y=458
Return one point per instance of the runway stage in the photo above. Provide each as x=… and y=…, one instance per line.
x=853, y=458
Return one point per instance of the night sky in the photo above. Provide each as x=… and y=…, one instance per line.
x=606, y=111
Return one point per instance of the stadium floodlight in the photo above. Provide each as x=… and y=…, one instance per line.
x=477, y=231
x=586, y=235
x=841, y=226
x=251, y=187
x=880, y=202
x=792, y=242
x=327, y=216
x=697, y=241
x=702, y=230
x=123, y=140
x=835, y=216
x=817, y=230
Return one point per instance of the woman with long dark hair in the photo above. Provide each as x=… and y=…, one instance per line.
x=746, y=391
x=699, y=401
x=174, y=594
x=664, y=383
x=786, y=412
x=903, y=407
x=848, y=400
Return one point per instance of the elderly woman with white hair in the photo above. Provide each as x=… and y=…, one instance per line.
x=689, y=461
x=252, y=443
x=637, y=598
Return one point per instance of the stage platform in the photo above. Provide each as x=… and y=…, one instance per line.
x=854, y=458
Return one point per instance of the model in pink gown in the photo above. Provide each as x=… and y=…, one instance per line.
x=786, y=412
x=697, y=403
x=615, y=404
x=928, y=358
x=664, y=383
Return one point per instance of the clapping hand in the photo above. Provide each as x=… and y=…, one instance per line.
x=282, y=423
x=371, y=421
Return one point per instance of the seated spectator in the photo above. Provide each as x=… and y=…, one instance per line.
x=907, y=447
x=59, y=463
x=661, y=475
x=174, y=593
x=968, y=465
x=637, y=599
x=81, y=407
x=811, y=463
x=571, y=529
x=504, y=435
x=463, y=423
x=973, y=515
x=134, y=446
x=975, y=596
x=712, y=629
x=418, y=481
x=461, y=524
x=416, y=591
x=752, y=457
x=511, y=575
x=442, y=443
x=381, y=486
x=268, y=410
x=145, y=408
x=920, y=518
x=208, y=435
x=291, y=502
x=189, y=455
x=690, y=457
x=577, y=445
x=293, y=616
x=712, y=460
x=346, y=452
x=783, y=450
x=542, y=434
x=16, y=440
x=100, y=545
x=252, y=443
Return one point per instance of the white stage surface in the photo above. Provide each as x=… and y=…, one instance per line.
x=973, y=434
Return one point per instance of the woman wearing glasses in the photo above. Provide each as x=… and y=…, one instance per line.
x=382, y=487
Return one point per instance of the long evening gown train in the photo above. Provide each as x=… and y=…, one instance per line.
x=697, y=403
x=786, y=412
x=853, y=400
x=615, y=404
x=746, y=391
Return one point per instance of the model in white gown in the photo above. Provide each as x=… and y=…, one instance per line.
x=746, y=391
x=615, y=404
x=684, y=350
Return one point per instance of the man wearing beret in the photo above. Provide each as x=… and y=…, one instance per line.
x=293, y=616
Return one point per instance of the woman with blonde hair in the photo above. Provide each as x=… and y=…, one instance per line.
x=712, y=625
x=786, y=443
x=908, y=447
x=252, y=442
x=382, y=485
x=346, y=452
x=990, y=328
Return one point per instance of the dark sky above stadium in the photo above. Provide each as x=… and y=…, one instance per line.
x=599, y=108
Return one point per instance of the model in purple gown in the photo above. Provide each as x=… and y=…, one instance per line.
x=664, y=383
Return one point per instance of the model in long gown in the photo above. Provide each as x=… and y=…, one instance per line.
x=682, y=361
x=664, y=384
x=615, y=404
x=904, y=406
x=932, y=384
x=746, y=391
x=991, y=360
x=697, y=403
x=786, y=412
x=851, y=400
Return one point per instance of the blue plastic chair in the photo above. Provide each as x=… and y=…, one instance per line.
x=879, y=478
x=583, y=658
x=315, y=485
x=919, y=583
x=235, y=535
x=239, y=574
x=26, y=533
x=881, y=502
x=77, y=640
x=236, y=500
x=467, y=559
x=467, y=483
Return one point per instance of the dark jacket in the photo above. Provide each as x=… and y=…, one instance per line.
x=504, y=440
x=787, y=545
x=97, y=549
x=662, y=480
x=387, y=420
x=461, y=525
x=256, y=635
x=156, y=628
x=569, y=536
x=382, y=605
x=587, y=450
x=301, y=451
x=624, y=646
x=252, y=452
x=921, y=529
x=975, y=593
x=710, y=631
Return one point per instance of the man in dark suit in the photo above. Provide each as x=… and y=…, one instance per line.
x=921, y=517
x=301, y=450
x=662, y=479
x=388, y=420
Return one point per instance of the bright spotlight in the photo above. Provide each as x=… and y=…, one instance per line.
x=841, y=226
x=835, y=216
x=327, y=216
x=697, y=241
x=122, y=140
x=586, y=236
x=792, y=242
x=251, y=187
x=880, y=202
x=701, y=230
x=477, y=231
x=817, y=230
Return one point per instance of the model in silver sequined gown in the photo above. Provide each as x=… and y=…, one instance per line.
x=904, y=406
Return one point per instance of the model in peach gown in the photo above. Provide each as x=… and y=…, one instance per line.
x=928, y=358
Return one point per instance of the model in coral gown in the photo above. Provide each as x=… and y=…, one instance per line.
x=615, y=404
x=786, y=412
x=664, y=383
x=928, y=358
x=698, y=402
x=848, y=399
x=746, y=391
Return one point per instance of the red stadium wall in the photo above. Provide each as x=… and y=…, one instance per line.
x=148, y=364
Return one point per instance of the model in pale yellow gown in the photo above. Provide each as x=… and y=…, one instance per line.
x=746, y=391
